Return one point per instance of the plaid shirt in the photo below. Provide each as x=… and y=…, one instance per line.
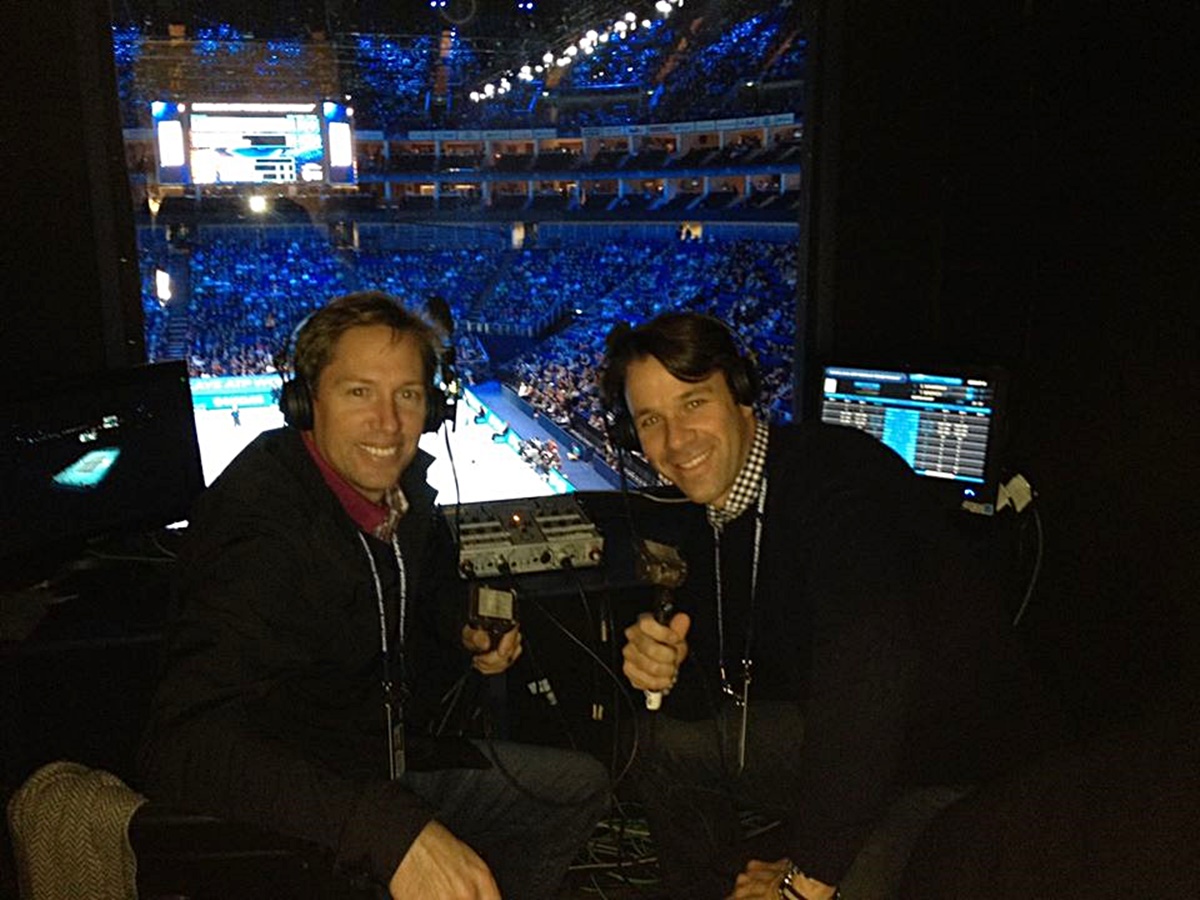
x=745, y=487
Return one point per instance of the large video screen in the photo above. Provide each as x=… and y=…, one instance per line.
x=477, y=456
x=253, y=143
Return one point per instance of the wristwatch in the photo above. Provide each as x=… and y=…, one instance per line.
x=788, y=891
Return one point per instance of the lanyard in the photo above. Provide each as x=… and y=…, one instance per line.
x=393, y=704
x=758, y=527
x=741, y=699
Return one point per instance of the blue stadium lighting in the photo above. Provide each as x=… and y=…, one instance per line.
x=158, y=109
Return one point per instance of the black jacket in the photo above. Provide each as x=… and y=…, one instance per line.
x=271, y=707
x=873, y=617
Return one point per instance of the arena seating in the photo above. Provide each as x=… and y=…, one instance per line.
x=687, y=65
x=249, y=287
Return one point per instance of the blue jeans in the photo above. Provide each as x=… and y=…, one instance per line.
x=527, y=816
x=688, y=783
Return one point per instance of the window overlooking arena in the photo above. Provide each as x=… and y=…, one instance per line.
x=616, y=169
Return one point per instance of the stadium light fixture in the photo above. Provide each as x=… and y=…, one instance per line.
x=588, y=42
x=162, y=286
x=257, y=204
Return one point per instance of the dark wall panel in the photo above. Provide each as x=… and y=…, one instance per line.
x=1007, y=183
x=69, y=292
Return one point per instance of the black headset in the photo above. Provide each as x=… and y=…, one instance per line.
x=295, y=396
x=741, y=374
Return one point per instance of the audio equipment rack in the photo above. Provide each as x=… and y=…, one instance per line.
x=517, y=537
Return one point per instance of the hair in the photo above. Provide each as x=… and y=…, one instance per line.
x=690, y=346
x=319, y=333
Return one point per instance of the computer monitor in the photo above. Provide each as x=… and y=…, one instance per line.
x=106, y=454
x=946, y=423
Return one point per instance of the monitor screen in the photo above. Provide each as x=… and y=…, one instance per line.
x=944, y=423
x=105, y=454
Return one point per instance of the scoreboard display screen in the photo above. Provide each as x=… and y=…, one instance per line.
x=253, y=143
x=944, y=423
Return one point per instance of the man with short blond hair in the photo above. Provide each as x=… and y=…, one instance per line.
x=322, y=625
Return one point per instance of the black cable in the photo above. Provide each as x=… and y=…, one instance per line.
x=618, y=689
x=450, y=699
x=1037, y=568
x=589, y=626
x=619, y=778
x=540, y=675
x=457, y=490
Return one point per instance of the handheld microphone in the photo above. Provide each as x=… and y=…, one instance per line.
x=663, y=567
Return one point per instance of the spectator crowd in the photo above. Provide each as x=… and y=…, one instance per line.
x=250, y=287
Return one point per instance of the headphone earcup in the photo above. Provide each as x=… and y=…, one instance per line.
x=436, y=411
x=621, y=430
x=296, y=404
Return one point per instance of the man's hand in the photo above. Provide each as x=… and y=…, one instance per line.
x=653, y=652
x=499, y=658
x=438, y=866
x=760, y=881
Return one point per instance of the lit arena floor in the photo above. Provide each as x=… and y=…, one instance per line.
x=485, y=470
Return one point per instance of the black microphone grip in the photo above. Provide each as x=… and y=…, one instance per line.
x=664, y=608
x=663, y=567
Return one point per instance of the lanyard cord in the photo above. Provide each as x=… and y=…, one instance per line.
x=388, y=685
x=758, y=527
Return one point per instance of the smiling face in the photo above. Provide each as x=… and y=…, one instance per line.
x=694, y=433
x=369, y=407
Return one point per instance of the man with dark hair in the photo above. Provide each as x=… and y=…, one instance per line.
x=321, y=626
x=826, y=650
